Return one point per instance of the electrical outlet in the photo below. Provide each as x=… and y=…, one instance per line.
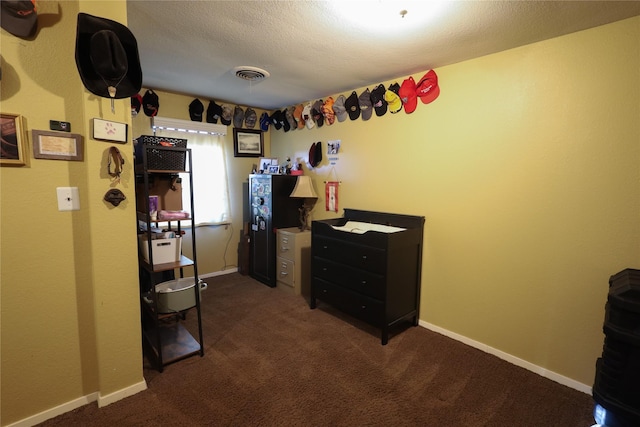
x=68, y=198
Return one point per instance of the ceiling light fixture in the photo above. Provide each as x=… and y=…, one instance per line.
x=251, y=74
x=353, y=14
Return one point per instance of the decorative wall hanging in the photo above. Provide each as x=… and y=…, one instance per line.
x=331, y=195
x=114, y=196
x=57, y=145
x=106, y=130
x=114, y=164
x=331, y=192
x=13, y=138
x=247, y=143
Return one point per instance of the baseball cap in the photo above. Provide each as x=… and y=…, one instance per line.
x=312, y=154
x=250, y=118
x=225, y=118
x=306, y=116
x=150, y=103
x=214, y=112
x=352, y=105
x=316, y=113
x=339, y=109
x=393, y=100
x=195, y=110
x=327, y=111
x=275, y=119
x=378, y=101
x=293, y=125
x=19, y=17
x=317, y=158
x=297, y=115
x=364, y=100
x=408, y=95
x=427, y=88
x=238, y=116
x=264, y=122
x=136, y=103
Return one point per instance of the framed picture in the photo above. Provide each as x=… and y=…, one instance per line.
x=106, y=130
x=266, y=163
x=13, y=139
x=274, y=170
x=247, y=143
x=57, y=145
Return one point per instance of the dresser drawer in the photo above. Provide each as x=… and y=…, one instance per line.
x=364, y=257
x=361, y=281
x=357, y=305
x=285, y=271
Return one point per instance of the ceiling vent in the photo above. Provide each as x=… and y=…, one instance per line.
x=251, y=74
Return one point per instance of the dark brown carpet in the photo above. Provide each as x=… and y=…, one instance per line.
x=271, y=361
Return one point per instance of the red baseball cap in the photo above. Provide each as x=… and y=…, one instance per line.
x=407, y=94
x=428, y=89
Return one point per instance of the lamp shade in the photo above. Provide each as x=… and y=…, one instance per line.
x=304, y=188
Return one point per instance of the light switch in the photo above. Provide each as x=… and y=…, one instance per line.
x=68, y=198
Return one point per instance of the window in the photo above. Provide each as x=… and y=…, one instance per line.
x=210, y=189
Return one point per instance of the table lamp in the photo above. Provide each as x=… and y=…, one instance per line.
x=304, y=190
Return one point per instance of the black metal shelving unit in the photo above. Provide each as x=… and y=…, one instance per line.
x=165, y=337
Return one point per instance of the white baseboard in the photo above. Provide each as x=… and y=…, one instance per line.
x=121, y=394
x=219, y=273
x=77, y=403
x=510, y=358
x=55, y=411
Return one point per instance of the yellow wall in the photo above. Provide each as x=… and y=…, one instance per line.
x=527, y=171
x=69, y=291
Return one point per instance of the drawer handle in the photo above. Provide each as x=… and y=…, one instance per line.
x=324, y=291
x=324, y=268
x=364, y=257
x=284, y=273
x=364, y=307
x=284, y=249
x=364, y=282
x=325, y=247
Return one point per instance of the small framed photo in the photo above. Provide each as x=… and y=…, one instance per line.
x=106, y=130
x=12, y=150
x=274, y=170
x=266, y=163
x=247, y=143
x=57, y=145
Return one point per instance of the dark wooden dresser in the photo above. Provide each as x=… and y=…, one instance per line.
x=373, y=275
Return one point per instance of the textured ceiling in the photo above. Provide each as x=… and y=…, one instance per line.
x=313, y=49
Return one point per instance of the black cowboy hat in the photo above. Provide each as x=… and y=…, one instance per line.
x=107, y=57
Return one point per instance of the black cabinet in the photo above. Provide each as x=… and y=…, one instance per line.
x=271, y=208
x=369, y=264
